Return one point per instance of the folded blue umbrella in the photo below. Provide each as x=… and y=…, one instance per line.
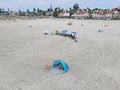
x=55, y=67
x=74, y=32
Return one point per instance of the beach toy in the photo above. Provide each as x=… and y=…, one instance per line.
x=75, y=40
x=59, y=67
x=48, y=66
x=45, y=32
x=99, y=30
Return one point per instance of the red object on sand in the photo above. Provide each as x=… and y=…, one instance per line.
x=69, y=23
x=105, y=25
x=48, y=66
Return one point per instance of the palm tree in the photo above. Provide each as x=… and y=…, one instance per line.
x=72, y=11
x=76, y=7
x=0, y=10
x=3, y=9
x=34, y=10
x=8, y=9
x=28, y=12
x=19, y=12
x=55, y=13
x=89, y=12
x=38, y=10
x=58, y=9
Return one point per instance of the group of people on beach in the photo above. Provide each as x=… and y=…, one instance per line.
x=71, y=35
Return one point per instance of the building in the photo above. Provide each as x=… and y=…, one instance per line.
x=64, y=14
x=81, y=14
x=102, y=14
x=4, y=13
x=108, y=15
x=98, y=14
x=13, y=13
x=116, y=12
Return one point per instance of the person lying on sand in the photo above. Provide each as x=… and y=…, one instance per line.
x=48, y=66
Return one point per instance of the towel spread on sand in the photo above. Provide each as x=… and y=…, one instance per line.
x=57, y=71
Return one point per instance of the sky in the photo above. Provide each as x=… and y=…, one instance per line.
x=45, y=4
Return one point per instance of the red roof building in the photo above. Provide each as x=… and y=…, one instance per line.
x=116, y=9
x=64, y=14
x=116, y=12
x=102, y=14
x=81, y=14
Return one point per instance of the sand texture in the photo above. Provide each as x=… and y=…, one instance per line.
x=94, y=60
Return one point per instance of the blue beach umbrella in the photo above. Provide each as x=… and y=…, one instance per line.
x=64, y=31
x=55, y=67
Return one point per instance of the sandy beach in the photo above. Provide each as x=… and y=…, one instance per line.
x=94, y=61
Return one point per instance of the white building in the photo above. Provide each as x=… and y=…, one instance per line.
x=108, y=15
x=13, y=13
x=64, y=14
x=98, y=16
x=116, y=14
x=81, y=14
x=102, y=15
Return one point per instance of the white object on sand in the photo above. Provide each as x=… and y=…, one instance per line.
x=57, y=71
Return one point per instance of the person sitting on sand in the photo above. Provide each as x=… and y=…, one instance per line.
x=61, y=67
x=56, y=32
x=73, y=36
x=70, y=35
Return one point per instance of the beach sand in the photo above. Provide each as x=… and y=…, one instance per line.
x=94, y=60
